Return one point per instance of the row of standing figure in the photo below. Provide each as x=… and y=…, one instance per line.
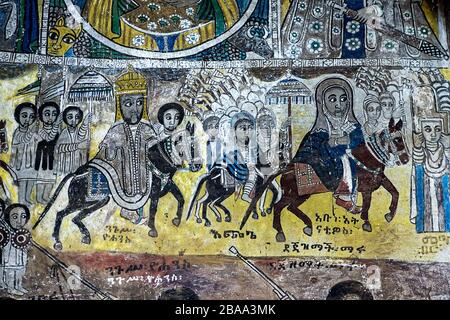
x=42, y=151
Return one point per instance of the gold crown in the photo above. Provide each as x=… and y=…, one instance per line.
x=131, y=82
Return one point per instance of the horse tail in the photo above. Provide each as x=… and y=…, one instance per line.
x=53, y=199
x=193, y=200
x=259, y=194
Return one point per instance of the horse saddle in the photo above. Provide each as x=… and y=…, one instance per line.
x=307, y=180
x=97, y=185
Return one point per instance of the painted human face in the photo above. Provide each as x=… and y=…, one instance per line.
x=243, y=131
x=431, y=130
x=61, y=38
x=49, y=115
x=212, y=128
x=171, y=119
x=264, y=128
x=27, y=117
x=18, y=218
x=73, y=118
x=373, y=111
x=387, y=106
x=336, y=101
x=132, y=106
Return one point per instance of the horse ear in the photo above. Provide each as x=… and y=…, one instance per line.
x=391, y=123
x=399, y=125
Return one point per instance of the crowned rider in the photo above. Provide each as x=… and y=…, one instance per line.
x=122, y=154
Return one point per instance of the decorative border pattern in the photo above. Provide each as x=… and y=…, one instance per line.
x=10, y=57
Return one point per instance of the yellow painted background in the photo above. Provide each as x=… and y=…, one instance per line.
x=395, y=240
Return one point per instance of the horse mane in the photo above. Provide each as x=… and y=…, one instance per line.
x=364, y=154
x=160, y=159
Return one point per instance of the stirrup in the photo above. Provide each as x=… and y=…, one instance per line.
x=348, y=205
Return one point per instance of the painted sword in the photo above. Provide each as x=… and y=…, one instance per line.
x=422, y=45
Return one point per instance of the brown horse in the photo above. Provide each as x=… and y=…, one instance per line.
x=371, y=159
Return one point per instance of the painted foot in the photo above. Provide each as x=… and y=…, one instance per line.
x=389, y=216
x=367, y=226
x=280, y=237
x=207, y=223
x=23, y=290
x=255, y=216
x=86, y=239
x=308, y=231
x=153, y=233
x=58, y=246
x=219, y=219
x=15, y=292
x=228, y=219
x=176, y=222
x=199, y=220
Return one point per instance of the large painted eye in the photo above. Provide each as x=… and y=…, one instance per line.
x=140, y=103
x=68, y=40
x=332, y=99
x=343, y=98
x=53, y=36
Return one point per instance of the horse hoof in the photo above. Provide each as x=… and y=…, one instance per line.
x=228, y=219
x=255, y=216
x=207, y=223
x=153, y=233
x=308, y=231
x=58, y=246
x=263, y=213
x=269, y=211
x=219, y=219
x=280, y=237
x=389, y=216
x=199, y=220
x=176, y=222
x=86, y=240
x=367, y=226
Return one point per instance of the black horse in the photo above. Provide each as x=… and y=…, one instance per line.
x=217, y=192
x=163, y=169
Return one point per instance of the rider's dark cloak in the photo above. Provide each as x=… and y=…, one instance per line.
x=315, y=149
x=326, y=160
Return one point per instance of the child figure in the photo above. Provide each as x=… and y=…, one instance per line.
x=23, y=151
x=15, y=254
x=71, y=147
x=50, y=117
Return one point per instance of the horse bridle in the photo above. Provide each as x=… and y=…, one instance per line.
x=382, y=154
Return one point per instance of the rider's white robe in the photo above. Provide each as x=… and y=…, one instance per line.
x=122, y=159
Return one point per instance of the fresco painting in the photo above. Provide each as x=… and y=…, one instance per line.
x=150, y=147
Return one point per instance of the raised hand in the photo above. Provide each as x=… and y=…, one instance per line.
x=418, y=139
